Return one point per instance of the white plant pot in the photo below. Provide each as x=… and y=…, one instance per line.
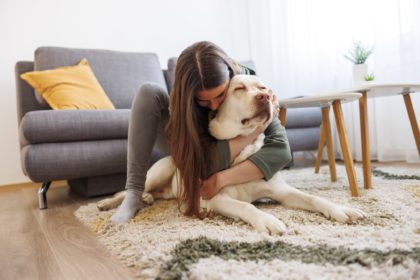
x=359, y=73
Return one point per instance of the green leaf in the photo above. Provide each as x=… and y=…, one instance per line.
x=359, y=54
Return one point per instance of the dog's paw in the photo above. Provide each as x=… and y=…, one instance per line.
x=105, y=204
x=269, y=224
x=345, y=214
x=148, y=198
x=112, y=202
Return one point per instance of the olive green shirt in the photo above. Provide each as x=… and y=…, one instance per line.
x=273, y=155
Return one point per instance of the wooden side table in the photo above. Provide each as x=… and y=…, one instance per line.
x=373, y=90
x=325, y=102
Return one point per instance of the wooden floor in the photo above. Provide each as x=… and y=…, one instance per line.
x=52, y=243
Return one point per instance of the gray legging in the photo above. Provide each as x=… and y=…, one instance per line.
x=149, y=116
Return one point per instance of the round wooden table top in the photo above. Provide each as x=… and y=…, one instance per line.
x=381, y=89
x=319, y=100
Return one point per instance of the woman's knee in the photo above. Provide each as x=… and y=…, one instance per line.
x=151, y=94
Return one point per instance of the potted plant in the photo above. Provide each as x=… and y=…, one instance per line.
x=370, y=77
x=358, y=56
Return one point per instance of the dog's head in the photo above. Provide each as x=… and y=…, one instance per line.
x=247, y=106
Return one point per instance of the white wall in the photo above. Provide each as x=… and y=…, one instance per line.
x=163, y=27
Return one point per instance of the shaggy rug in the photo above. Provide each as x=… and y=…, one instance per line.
x=161, y=243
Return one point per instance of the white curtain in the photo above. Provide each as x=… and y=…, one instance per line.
x=299, y=46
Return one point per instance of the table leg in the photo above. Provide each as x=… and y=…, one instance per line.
x=321, y=144
x=328, y=136
x=345, y=148
x=364, y=128
x=413, y=121
x=282, y=116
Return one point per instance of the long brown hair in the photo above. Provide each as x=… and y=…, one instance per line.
x=201, y=66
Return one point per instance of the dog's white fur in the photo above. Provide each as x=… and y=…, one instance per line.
x=240, y=114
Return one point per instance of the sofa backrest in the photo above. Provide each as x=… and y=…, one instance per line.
x=121, y=74
x=170, y=72
x=25, y=94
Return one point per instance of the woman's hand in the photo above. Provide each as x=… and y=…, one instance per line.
x=244, y=172
x=275, y=103
x=211, y=186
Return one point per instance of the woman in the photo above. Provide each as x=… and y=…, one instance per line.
x=202, y=76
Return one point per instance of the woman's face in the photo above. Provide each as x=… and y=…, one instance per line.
x=212, y=98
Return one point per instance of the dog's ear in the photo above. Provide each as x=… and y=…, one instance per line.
x=212, y=115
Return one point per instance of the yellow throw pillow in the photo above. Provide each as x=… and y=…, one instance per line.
x=69, y=87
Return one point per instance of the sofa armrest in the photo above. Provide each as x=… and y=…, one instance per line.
x=25, y=95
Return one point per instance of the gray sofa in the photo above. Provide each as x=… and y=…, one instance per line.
x=88, y=148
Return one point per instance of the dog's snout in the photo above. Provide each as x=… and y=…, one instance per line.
x=262, y=97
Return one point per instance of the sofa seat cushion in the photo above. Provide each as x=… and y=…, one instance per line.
x=49, y=126
x=303, y=117
x=73, y=160
x=303, y=139
x=58, y=161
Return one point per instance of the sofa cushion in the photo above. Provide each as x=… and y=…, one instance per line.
x=72, y=160
x=58, y=161
x=69, y=87
x=303, y=117
x=303, y=139
x=48, y=126
x=120, y=73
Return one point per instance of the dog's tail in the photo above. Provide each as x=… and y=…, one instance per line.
x=160, y=174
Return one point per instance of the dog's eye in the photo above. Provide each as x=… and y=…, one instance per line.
x=239, y=88
x=245, y=121
x=262, y=87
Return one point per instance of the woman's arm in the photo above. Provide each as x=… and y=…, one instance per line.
x=237, y=144
x=275, y=153
x=273, y=156
x=225, y=151
x=244, y=172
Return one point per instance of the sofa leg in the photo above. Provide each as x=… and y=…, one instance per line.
x=42, y=195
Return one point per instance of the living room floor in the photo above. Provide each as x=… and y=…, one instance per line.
x=53, y=244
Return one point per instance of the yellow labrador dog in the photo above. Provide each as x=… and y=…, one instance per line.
x=246, y=107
